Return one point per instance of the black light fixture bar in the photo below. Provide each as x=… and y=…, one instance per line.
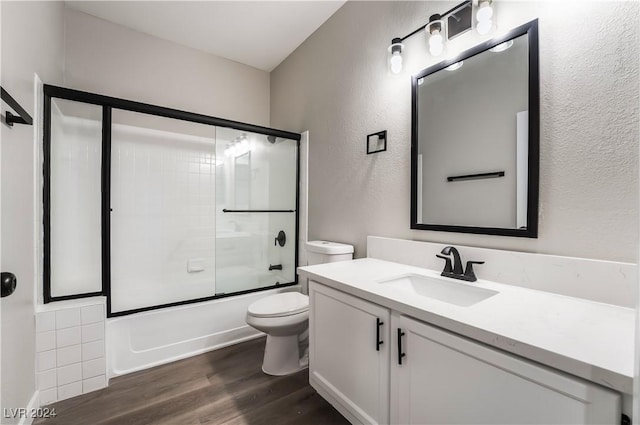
x=492, y=175
x=443, y=16
x=23, y=116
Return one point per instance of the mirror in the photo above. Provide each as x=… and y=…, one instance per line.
x=475, y=147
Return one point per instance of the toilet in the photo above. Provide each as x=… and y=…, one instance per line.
x=284, y=317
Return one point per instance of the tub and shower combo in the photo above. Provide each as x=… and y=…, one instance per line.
x=179, y=220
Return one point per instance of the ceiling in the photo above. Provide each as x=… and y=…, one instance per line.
x=257, y=33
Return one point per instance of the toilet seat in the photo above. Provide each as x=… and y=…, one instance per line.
x=280, y=305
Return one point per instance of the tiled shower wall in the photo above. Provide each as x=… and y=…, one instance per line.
x=70, y=352
x=163, y=219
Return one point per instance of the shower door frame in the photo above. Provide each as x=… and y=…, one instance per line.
x=109, y=103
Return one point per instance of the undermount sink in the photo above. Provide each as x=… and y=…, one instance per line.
x=451, y=292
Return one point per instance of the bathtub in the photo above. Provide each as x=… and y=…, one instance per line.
x=143, y=340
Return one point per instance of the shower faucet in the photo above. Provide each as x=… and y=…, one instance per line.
x=275, y=267
x=281, y=239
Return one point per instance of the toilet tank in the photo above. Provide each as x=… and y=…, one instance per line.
x=319, y=252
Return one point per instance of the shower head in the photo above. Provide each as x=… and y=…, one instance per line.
x=271, y=139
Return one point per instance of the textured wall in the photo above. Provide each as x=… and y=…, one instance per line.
x=32, y=41
x=336, y=86
x=106, y=58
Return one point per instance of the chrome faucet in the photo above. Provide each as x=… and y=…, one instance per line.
x=455, y=271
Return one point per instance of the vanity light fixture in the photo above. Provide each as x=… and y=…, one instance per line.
x=435, y=30
x=484, y=16
x=395, y=56
x=441, y=28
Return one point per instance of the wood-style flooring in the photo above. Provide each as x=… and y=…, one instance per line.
x=225, y=386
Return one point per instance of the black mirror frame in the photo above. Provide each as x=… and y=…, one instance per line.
x=531, y=29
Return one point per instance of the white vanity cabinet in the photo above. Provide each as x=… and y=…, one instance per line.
x=349, y=354
x=448, y=379
x=443, y=377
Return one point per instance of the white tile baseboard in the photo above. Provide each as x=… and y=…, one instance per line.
x=70, y=350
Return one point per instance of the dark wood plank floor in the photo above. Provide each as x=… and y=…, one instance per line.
x=226, y=386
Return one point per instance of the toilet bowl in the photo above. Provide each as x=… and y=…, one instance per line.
x=284, y=317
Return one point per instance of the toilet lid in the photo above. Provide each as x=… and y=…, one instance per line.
x=283, y=304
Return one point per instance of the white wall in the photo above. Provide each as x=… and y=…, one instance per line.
x=106, y=58
x=32, y=41
x=336, y=86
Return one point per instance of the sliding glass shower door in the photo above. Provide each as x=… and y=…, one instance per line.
x=197, y=211
x=256, y=190
x=162, y=210
x=154, y=207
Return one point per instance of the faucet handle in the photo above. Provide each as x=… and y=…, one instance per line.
x=447, y=264
x=468, y=271
x=447, y=250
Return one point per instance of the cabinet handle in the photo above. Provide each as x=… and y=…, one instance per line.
x=378, y=341
x=400, y=353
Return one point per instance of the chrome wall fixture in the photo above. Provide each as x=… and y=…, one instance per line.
x=441, y=28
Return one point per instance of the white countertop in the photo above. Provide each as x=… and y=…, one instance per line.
x=591, y=340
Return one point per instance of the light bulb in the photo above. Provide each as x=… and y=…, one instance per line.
x=485, y=11
x=436, y=38
x=395, y=56
x=436, y=49
x=483, y=27
x=396, y=63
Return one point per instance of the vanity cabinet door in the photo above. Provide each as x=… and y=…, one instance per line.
x=445, y=379
x=349, y=354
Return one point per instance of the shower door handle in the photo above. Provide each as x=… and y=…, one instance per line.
x=224, y=210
